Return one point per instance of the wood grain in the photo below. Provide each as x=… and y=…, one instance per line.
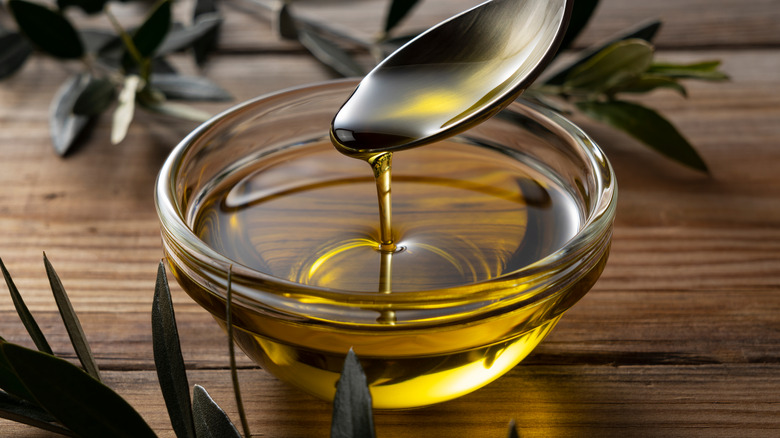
x=680, y=337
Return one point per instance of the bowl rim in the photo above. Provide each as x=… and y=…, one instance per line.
x=596, y=226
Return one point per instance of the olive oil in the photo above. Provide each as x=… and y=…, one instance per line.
x=461, y=215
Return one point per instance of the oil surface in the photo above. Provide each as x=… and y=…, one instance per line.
x=461, y=214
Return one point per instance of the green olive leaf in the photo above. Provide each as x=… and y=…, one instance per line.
x=14, y=51
x=49, y=30
x=24, y=313
x=168, y=359
x=512, y=433
x=22, y=411
x=205, y=44
x=10, y=382
x=705, y=70
x=646, y=83
x=329, y=53
x=125, y=110
x=96, y=98
x=645, y=31
x=148, y=37
x=194, y=88
x=617, y=63
x=88, y=6
x=647, y=126
x=287, y=26
x=64, y=126
x=352, y=413
x=580, y=16
x=80, y=402
x=210, y=420
x=398, y=10
x=182, y=37
x=72, y=323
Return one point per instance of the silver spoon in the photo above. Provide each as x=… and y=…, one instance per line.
x=451, y=77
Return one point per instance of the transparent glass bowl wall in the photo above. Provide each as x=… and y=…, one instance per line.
x=301, y=333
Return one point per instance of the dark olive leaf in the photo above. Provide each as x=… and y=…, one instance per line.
x=77, y=400
x=72, y=323
x=647, y=126
x=180, y=38
x=9, y=381
x=617, y=63
x=203, y=46
x=646, y=83
x=168, y=359
x=24, y=313
x=580, y=16
x=64, y=126
x=125, y=110
x=148, y=100
x=706, y=70
x=95, y=98
x=352, y=413
x=195, y=88
x=14, y=51
x=398, y=10
x=151, y=34
x=88, y=6
x=286, y=23
x=21, y=411
x=210, y=420
x=512, y=430
x=644, y=31
x=49, y=30
x=329, y=53
x=232, y=350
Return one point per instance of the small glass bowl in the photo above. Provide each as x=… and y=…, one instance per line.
x=451, y=341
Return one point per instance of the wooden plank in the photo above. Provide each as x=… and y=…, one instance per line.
x=619, y=401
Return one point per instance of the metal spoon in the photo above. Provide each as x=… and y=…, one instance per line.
x=451, y=77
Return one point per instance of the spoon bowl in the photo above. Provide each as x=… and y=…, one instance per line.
x=451, y=77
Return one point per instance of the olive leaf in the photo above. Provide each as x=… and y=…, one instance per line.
x=88, y=6
x=210, y=420
x=705, y=70
x=182, y=87
x=21, y=411
x=646, y=83
x=10, y=382
x=168, y=359
x=80, y=402
x=148, y=37
x=49, y=30
x=644, y=31
x=287, y=27
x=182, y=37
x=24, y=313
x=619, y=62
x=645, y=125
x=123, y=114
x=232, y=351
x=329, y=53
x=398, y=10
x=14, y=51
x=95, y=98
x=64, y=126
x=512, y=430
x=206, y=43
x=581, y=12
x=352, y=413
x=72, y=324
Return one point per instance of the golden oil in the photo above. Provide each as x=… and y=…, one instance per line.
x=462, y=215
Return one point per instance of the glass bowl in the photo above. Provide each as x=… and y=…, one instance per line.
x=434, y=335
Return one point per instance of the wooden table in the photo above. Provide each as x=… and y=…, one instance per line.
x=680, y=337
